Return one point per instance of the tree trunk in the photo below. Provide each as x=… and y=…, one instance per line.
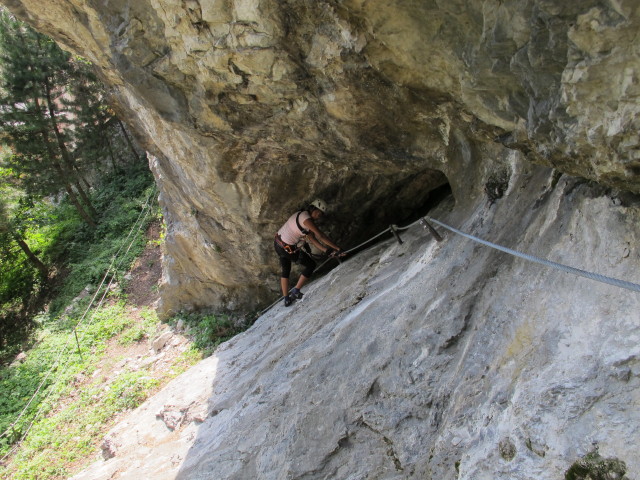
x=62, y=173
x=82, y=177
x=68, y=161
x=85, y=199
x=74, y=198
x=33, y=259
x=126, y=136
x=109, y=147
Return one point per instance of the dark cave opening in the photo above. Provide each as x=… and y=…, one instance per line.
x=379, y=217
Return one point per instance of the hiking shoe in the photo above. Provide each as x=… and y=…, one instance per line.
x=287, y=301
x=295, y=294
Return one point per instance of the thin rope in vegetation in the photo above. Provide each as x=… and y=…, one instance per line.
x=146, y=209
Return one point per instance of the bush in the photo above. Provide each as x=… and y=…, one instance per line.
x=210, y=330
x=90, y=254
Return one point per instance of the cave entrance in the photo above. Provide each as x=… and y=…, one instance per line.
x=400, y=206
x=435, y=198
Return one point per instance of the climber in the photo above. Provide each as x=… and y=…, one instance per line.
x=291, y=246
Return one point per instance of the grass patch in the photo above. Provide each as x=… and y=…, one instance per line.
x=209, y=330
x=50, y=368
x=85, y=364
x=140, y=330
x=79, y=401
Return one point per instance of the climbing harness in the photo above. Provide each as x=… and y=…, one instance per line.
x=290, y=249
x=424, y=221
x=304, y=231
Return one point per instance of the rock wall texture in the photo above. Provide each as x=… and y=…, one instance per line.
x=421, y=360
x=253, y=107
x=426, y=360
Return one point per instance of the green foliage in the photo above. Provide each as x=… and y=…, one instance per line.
x=90, y=253
x=33, y=67
x=70, y=433
x=51, y=367
x=129, y=390
x=20, y=279
x=54, y=393
x=60, y=238
x=594, y=467
x=141, y=330
x=210, y=330
x=58, y=131
x=54, y=116
x=68, y=430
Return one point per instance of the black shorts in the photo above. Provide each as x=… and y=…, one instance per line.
x=300, y=256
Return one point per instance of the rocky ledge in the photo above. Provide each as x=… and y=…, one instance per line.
x=251, y=108
x=432, y=360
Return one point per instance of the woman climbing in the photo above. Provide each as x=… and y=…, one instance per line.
x=290, y=244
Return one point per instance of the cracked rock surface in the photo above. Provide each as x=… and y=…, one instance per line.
x=250, y=108
x=435, y=360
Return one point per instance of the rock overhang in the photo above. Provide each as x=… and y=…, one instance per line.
x=253, y=108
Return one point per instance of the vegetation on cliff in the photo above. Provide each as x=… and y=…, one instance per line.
x=64, y=158
x=80, y=235
x=76, y=199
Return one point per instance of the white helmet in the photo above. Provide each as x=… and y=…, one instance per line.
x=320, y=205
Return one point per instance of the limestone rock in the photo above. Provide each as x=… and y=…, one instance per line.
x=108, y=449
x=251, y=108
x=159, y=342
x=171, y=417
x=20, y=358
x=444, y=360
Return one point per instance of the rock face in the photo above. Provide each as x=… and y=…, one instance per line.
x=421, y=360
x=254, y=107
x=432, y=360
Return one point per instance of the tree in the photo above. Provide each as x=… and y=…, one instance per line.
x=92, y=117
x=33, y=79
x=97, y=129
x=12, y=226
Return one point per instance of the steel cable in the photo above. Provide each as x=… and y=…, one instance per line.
x=558, y=266
x=532, y=258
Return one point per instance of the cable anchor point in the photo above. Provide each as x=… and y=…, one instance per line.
x=394, y=230
x=427, y=226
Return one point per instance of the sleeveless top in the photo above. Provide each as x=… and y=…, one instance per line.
x=289, y=232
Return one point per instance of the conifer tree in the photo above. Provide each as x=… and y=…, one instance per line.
x=98, y=131
x=93, y=119
x=34, y=76
x=11, y=229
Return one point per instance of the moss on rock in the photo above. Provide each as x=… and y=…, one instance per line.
x=593, y=467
